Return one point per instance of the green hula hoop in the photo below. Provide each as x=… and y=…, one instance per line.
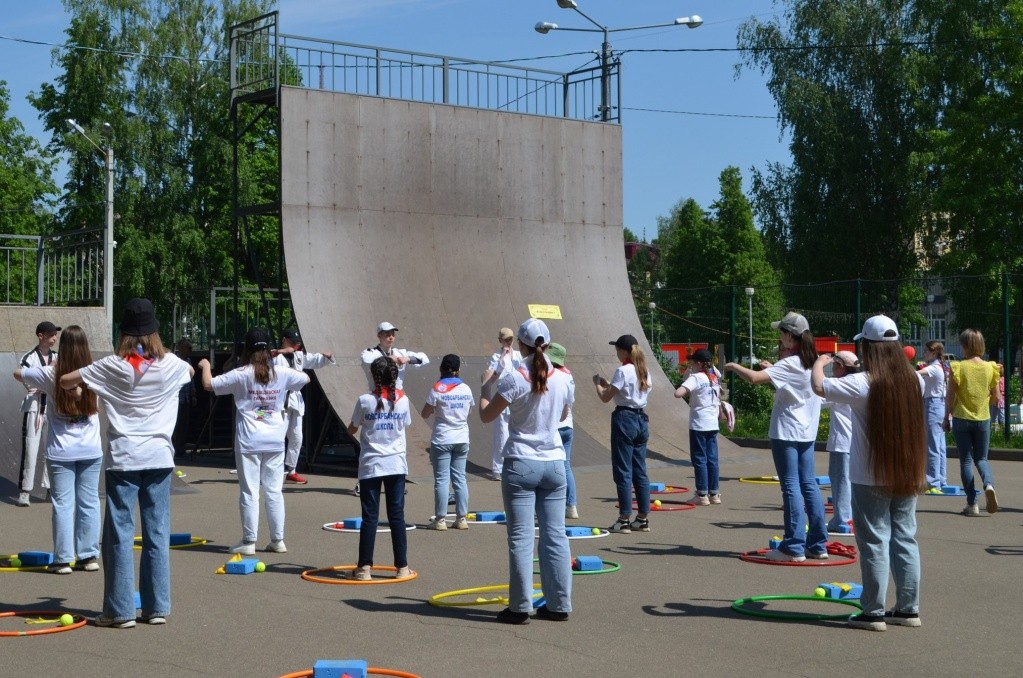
x=614, y=567
x=739, y=606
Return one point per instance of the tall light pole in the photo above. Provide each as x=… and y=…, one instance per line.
x=606, y=55
x=750, y=291
x=653, y=307
x=108, y=235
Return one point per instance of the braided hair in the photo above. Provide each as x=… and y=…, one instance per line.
x=385, y=376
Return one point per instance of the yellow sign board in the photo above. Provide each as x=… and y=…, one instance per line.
x=545, y=311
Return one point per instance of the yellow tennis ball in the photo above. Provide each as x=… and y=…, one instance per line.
x=819, y=592
x=15, y=562
x=66, y=620
x=261, y=566
x=595, y=530
x=657, y=503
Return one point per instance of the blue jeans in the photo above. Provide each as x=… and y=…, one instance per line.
x=394, y=489
x=449, y=466
x=529, y=488
x=703, y=452
x=151, y=488
x=74, y=490
x=841, y=493
x=934, y=409
x=566, y=439
x=972, y=438
x=629, y=435
x=793, y=462
x=886, y=538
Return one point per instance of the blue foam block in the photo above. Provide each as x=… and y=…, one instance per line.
x=773, y=543
x=588, y=563
x=574, y=531
x=180, y=538
x=657, y=487
x=35, y=558
x=489, y=516
x=843, y=529
x=848, y=591
x=340, y=668
x=244, y=566
x=352, y=523
x=823, y=480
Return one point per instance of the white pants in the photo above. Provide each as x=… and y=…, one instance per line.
x=266, y=469
x=33, y=428
x=500, y=438
x=293, y=442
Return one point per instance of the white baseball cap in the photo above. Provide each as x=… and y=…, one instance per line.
x=386, y=327
x=533, y=329
x=879, y=328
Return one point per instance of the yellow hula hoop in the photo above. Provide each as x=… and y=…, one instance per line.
x=196, y=541
x=314, y=575
x=761, y=480
x=438, y=600
x=22, y=568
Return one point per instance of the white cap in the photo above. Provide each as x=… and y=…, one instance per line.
x=533, y=329
x=386, y=327
x=877, y=328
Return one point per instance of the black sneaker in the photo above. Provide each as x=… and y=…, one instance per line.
x=621, y=526
x=640, y=525
x=543, y=612
x=506, y=616
x=902, y=618
x=868, y=622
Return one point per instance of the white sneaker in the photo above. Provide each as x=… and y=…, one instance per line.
x=244, y=548
x=364, y=573
x=571, y=512
x=779, y=556
x=23, y=499
x=992, y=498
x=461, y=523
x=276, y=547
x=438, y=524
x=715, y=498
x=699, y=500
x=403, y=572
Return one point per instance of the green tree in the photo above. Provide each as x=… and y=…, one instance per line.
x=27, y=189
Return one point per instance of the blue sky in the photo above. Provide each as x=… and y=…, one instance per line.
x=668, y=156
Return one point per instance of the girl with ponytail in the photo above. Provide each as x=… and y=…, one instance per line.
x=630, y=430
x=533, y=480
x=703, y=390
x=383, y=415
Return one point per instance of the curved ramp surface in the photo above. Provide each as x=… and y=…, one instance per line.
x=450, y=222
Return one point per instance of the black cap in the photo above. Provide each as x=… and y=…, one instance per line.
x=624, y=342
x=292, y=335
x=139, y=318
x=702, y=356
x=450, y=363
x=45, y=327
x=257, y=339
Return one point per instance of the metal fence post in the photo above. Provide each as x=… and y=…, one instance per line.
x=732, y=349
x=1006, y=356
x=40, y=266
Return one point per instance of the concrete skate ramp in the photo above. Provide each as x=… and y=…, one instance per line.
x=17, y=336
x=449, y=222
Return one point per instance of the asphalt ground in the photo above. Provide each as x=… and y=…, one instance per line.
x=667, y=612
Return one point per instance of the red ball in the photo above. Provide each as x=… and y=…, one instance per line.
x=909, y=351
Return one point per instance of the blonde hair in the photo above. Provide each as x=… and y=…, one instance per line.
x=972, y=342
x=151, y=345
x=638, y=358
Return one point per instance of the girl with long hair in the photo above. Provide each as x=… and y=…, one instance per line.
x=533, y=479
x=630, y=430
x=935, y=379
x=260, y=390
x=702, y=389
x=972, y=387
x=383, y=415
x=886, y=469
x=793, y=431
x=449, y=403
x=138, y=386
x=74, y=455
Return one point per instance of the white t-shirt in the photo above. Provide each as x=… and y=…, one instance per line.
x=142, y=409
x=260, y=422
x=382, y=435
x=797, y=410
x=451, y=399
x=568, y=423
x=627, y=383
x=534, y=419
x=840, y=430
x=934, y=380
x=67, y=438
x=853, y=391
x=704, y=401
x=416, y=359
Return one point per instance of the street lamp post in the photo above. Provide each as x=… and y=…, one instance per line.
x=653, y=307
x=606, y=55
x=108, y=235
x=750, y=291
